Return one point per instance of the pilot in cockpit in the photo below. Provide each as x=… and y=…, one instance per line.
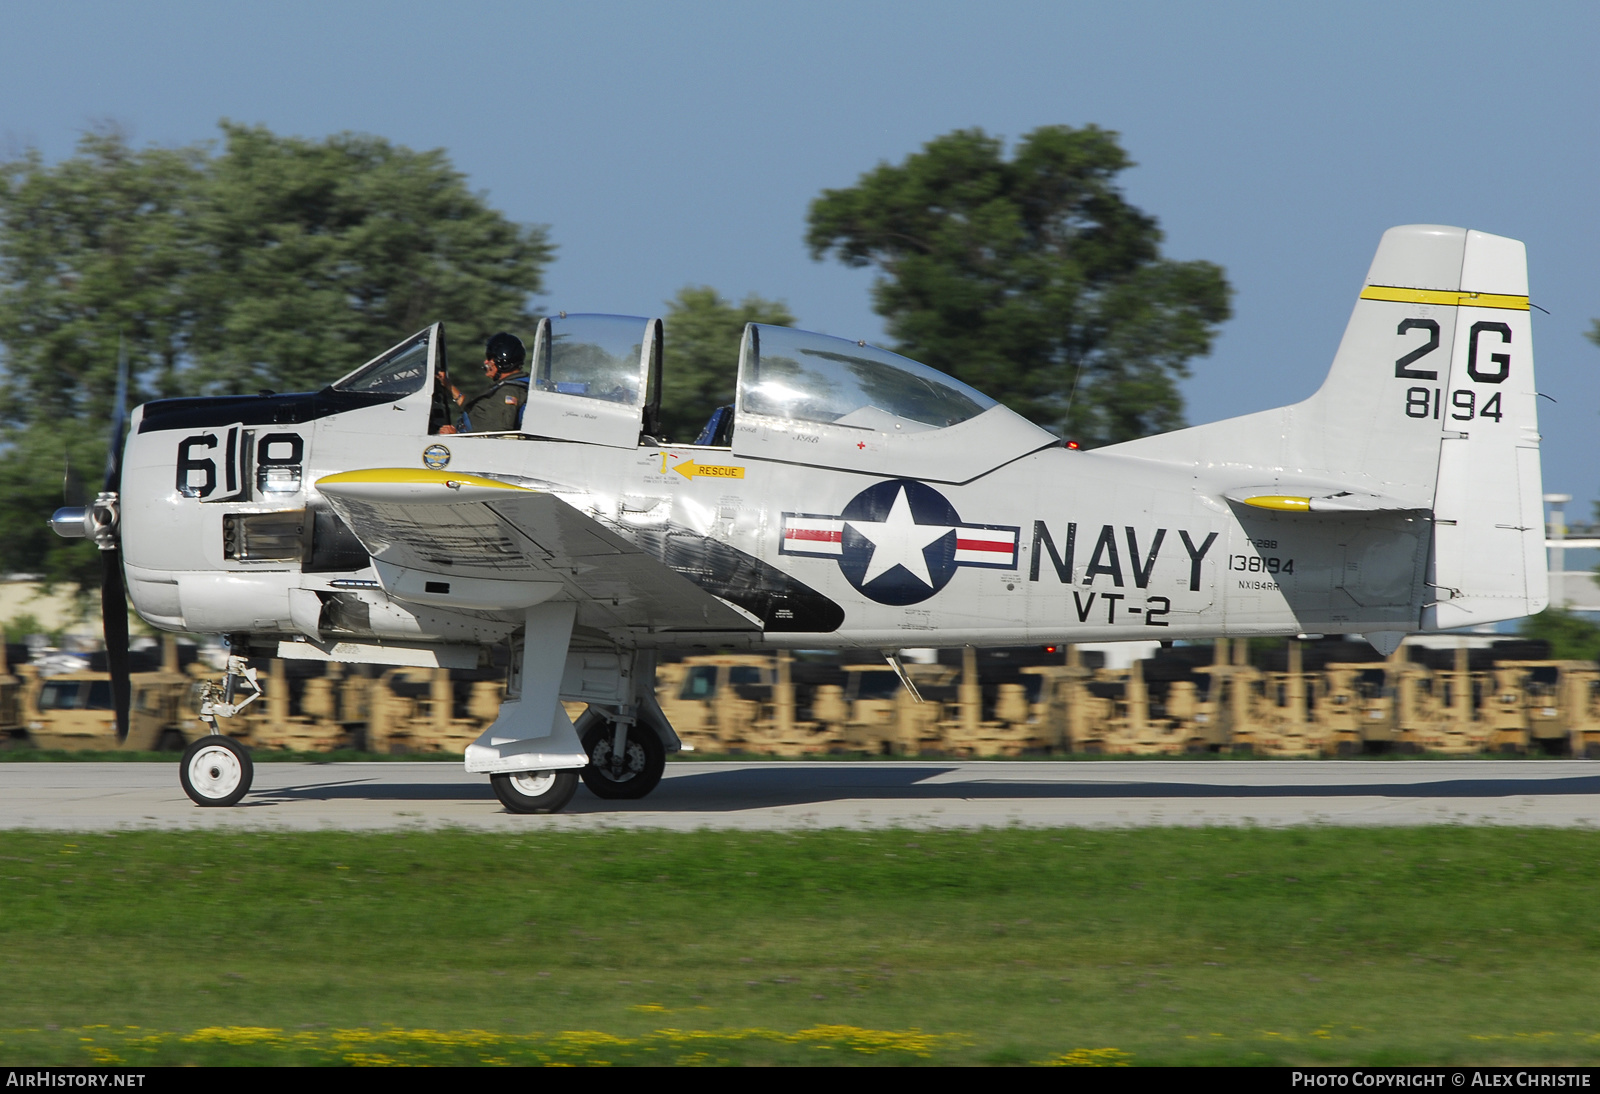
x=498, y=410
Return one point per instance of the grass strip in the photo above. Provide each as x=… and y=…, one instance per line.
x=1150, y=946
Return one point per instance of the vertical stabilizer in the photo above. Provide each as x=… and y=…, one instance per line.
x=1429, y=406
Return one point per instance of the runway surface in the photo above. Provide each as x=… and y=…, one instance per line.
x=790, y=795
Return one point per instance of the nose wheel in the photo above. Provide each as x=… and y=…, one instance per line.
x=216, y=771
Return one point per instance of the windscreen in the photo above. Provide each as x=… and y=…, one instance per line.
x=401, y=371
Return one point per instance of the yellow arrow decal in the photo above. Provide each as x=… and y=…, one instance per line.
x=690, y=469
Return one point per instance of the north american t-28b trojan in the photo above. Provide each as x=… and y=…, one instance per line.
x=849, y=498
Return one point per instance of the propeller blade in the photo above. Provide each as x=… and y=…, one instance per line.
x=119, y=422
x=114, y=620
x=113, y=595
x=72, y=492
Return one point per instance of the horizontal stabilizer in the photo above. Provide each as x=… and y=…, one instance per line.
x=1336, y=501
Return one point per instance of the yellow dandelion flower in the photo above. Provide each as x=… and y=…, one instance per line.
x=1091, y=1057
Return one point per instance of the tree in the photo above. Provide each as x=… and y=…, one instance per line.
x=1031, y=278
x=1571, y=637
x=700, y=363
x=322, y=254
x=94, y=253
x=276, y=262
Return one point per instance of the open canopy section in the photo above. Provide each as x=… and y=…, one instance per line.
x=595, y=378
x=812, y=398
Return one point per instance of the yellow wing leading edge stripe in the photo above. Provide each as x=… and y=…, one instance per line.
x=415, y=475
x=1447, y=297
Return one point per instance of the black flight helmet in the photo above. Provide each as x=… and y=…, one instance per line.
x=506, y=351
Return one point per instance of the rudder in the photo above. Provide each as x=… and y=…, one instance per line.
x=1488, y=560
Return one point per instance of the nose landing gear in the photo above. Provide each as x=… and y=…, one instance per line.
x=216, y=770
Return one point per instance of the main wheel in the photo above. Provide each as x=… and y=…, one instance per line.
x=635, y=773
x=535, y=791
x=216, y=770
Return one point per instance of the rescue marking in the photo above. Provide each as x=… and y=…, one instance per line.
x=710, y=470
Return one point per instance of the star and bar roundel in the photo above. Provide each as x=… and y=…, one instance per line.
x=900, y=541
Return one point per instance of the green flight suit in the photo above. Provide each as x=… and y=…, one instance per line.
x=498, y=410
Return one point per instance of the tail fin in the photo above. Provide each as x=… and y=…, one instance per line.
x=1429, y=405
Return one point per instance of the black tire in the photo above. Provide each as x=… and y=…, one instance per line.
x=535, y=791
x=216, y=771
x=646, y=759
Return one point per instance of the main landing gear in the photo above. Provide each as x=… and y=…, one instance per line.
x=628, y=773
x=535, y=791
x=616, y=774
x=534, y=753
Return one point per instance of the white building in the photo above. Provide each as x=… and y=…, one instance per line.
x=1573, y=553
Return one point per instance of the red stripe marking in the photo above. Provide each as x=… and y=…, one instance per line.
x=1003, y=546
x=821, y=534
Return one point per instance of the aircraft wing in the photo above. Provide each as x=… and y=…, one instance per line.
x=474, y=543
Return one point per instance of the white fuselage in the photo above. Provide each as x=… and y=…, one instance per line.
x=1054, y=546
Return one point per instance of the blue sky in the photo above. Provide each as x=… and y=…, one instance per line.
x=675, y=144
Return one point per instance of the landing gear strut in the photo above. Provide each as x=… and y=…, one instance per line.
x=216, y=770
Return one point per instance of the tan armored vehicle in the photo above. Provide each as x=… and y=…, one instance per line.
x=73, y=710
x=10, y=699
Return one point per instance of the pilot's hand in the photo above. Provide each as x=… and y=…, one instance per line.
x=447, y=429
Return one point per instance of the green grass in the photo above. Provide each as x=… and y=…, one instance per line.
x=1152, y=946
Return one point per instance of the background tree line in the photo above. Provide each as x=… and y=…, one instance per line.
x=273, y=262
x=268, y=262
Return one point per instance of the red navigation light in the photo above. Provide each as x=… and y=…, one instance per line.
x=1073, y=445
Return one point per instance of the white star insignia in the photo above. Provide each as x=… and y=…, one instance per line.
x=899, y=541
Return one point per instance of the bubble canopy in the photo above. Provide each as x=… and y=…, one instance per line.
x=806, y=377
